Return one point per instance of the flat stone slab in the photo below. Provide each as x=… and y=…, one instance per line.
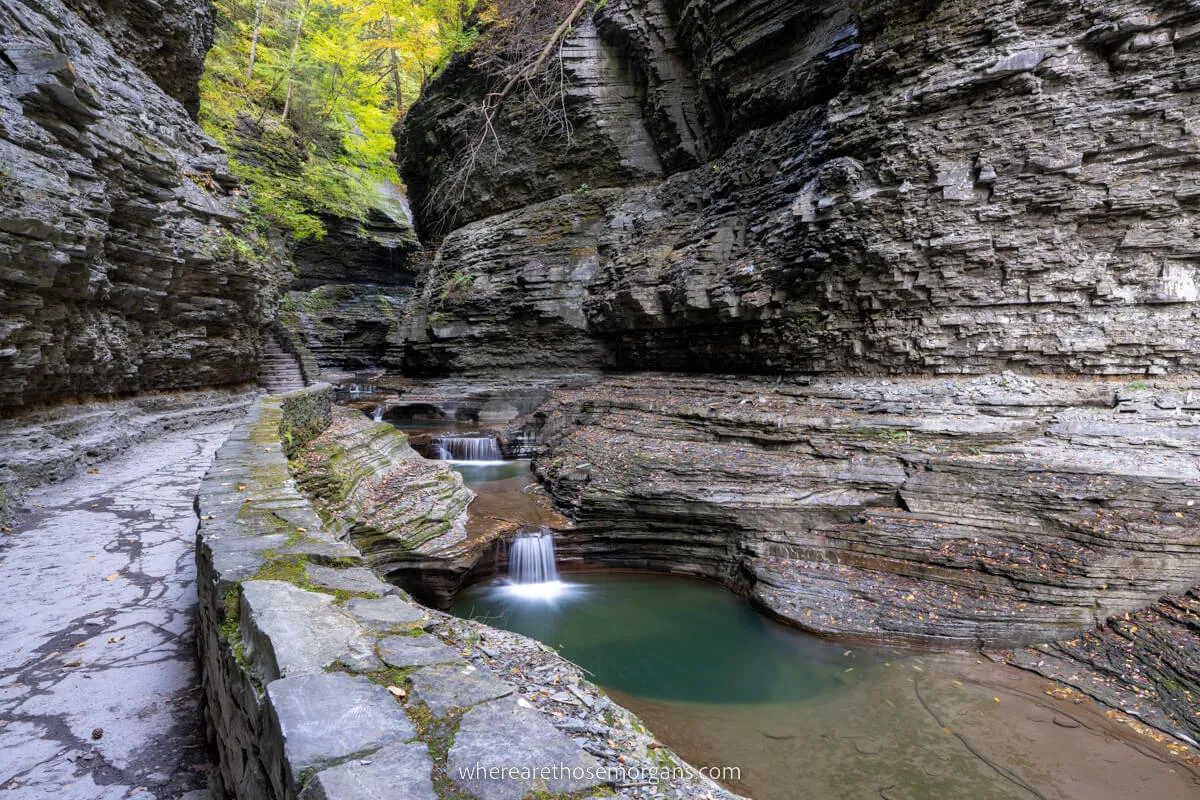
x=353, y=579
x=357, y=661
x=289, y=631
x=446, y=686
x=387, y=612
x=326, y=717
x=416, y=651
x=509, y=751
x=399, y=770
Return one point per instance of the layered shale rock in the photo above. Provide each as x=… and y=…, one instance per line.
x=349, y=326
x=406, y=515
x=380, y=250
x=974, y=512
x=354, y=288
x=122, y=264
x=832, y=186
x=1147, y=663
x=166, y=39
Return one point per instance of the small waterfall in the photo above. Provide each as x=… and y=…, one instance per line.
x=531, y=559
x=466, y=448
x=378, y=415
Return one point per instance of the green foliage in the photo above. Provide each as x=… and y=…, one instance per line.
x=458, y=285
x=309, y=116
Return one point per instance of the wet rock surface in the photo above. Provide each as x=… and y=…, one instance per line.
x=99, y=688
x=944, y=512
x=1146, y=664
x=50, y=445
x=405, y=514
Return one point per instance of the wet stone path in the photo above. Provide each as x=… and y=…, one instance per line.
x=99, y=688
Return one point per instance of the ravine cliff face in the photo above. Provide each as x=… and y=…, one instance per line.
x=123, y=266
x=853, y=187
x=354, y=287
x=994, y=198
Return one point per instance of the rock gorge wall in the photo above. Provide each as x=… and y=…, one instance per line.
x=853, y=186
x=979, y=512
x=123, y=266
x=354, y=288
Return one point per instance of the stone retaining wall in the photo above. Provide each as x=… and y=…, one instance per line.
x=323, y=682
x=305, y=415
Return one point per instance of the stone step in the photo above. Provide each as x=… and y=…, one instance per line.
x=278, y=370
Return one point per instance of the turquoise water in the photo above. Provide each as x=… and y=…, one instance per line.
x=475, y=473
x=668, y=638
x=803, y=718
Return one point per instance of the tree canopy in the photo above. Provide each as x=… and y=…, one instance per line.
x=305, y=94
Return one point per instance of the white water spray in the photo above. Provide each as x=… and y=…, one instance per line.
x=531, y=566
x=467, y=448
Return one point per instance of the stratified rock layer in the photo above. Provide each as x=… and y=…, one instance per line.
x=121, y=265
x=944, y=511
x=1146, y=663
x=406, y=515
x=840, y=186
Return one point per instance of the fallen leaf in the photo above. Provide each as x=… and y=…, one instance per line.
x=115, y=639
x=113, y=577
x=93, y=471
x=397, y=691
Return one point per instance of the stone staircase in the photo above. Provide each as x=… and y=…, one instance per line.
x=279, y=371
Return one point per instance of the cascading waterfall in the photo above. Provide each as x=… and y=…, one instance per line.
x=531, y=560
x=378, y=415
x=466, y=448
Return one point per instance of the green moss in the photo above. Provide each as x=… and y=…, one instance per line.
x=287, y=568
x=438, y=735
x=1137, y=386
x=5, y=507
x=887, y=435
x=231, y=618
x=457, y=287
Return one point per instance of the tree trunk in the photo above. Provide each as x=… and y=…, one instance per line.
x=258, y=9
x=398, y=88
x=287, y=104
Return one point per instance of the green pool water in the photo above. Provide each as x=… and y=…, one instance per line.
x=668, y=638
x=803, y=718
x=475, y=473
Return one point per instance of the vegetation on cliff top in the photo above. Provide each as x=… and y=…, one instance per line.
x=305, y=95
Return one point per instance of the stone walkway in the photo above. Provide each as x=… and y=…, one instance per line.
x=99, y=693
